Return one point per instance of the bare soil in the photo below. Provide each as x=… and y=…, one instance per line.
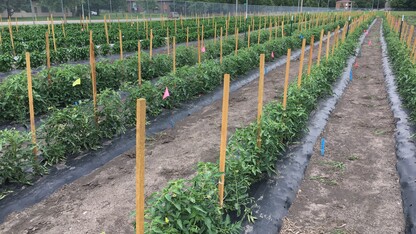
x=103, y=200
x=354, y=187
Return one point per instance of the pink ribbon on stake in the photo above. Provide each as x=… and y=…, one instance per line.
x=203, y=49
x=166, y=94
x=272, y=54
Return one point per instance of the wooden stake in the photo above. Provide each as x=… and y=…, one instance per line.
x=48, y=56
x=221, y=46
x=236, y=42
x=167, y=39
x=311, y=54
x=93, y=78
x=286, y=79
x=202, y=36
x=31, y=108
x=258, y=37
x=106, y=30
x=409, y=38
x=121, y=44
x=139, y=63
x=63, y=28
x=215, y=33
x=53, y=34
x=302, y=56
x=199, y=51
x=151, y=44
x=328, y=41
x=248, y=37
x=223, y=145
x=320, y=46
x=260, y=100
x=283, y=28
x=187, y=36
x=174, y=54
x=11, y=37
x=140, y=167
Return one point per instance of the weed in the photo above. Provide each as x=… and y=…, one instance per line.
x=380, y=132
x=334, y=164
x=353, y=157
x=339, y=231
x=324, y=180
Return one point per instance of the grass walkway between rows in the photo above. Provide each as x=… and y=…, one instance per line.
x=354, y=187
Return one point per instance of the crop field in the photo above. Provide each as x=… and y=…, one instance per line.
x=279, y=123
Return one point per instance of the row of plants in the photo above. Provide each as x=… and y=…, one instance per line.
x=404, y=68
x=73, y=129
x=191, y=205
x=61, y=93
x=76, y=47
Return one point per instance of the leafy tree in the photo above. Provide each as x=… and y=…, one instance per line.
x=14, y=5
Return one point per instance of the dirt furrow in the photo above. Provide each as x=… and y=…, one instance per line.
x=354, y=187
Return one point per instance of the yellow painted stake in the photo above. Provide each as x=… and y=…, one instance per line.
x=286, y=79
x=260, y=100
x=223, y=145
x=139, y=63
x=140, y=167
x=174, y=54
x=311, y=54
x=320, y=46
x=302, y=56
x=31, y=108
x=328, y=41
x=283, y=28
x=121, y=44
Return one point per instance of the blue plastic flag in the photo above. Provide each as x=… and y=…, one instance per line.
x=351, y=74
x=322, y=146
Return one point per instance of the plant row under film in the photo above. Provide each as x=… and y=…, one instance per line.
x=73, y=45
x=60, y=92
x=192, y=205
